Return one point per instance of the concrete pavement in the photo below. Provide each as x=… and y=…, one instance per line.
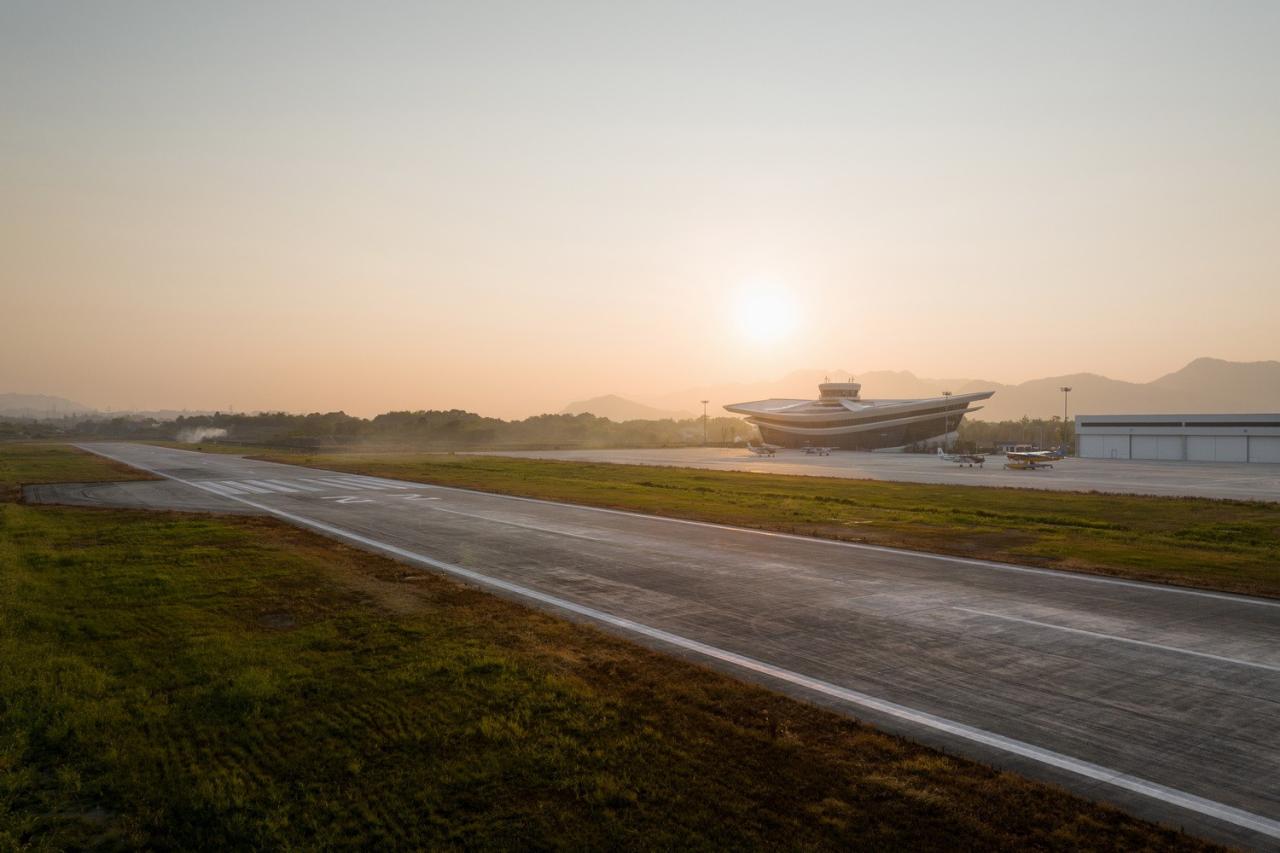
x=1161, y=699
x=1239, y=481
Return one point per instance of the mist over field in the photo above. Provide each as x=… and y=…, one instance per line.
x=198, y=434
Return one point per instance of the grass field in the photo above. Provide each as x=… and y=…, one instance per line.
x=229, y=448
x=1223, y=545
x=56, y=463
x=180, y=681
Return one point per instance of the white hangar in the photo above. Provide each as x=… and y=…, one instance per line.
x=1189, y=438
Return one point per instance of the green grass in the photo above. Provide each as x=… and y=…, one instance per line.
x=220, y=446
x=1222, y=545
x=36, y=462
x=185, y=681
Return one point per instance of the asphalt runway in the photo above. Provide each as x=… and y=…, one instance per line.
x=1239, y=481
x=1165, y=701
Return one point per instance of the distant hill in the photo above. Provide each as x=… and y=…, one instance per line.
x=1204, y=385
x=619, y=409
x=44, y=406
x=40, y=406
x=1233, y=380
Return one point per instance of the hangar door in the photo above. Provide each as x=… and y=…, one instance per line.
x=1216, y=448
x=1264, y=448
x=1232, y=448
x=1104, y=446
x=1157, y=446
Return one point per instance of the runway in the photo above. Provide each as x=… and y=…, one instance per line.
x=1163, y=700
x=1238, y=481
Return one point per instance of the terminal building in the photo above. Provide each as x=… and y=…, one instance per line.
x=841, y=418
x=1189, y=438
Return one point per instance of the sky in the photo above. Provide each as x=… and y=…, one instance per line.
x=504, y=207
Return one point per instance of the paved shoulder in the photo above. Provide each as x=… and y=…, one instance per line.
x=1238, y=481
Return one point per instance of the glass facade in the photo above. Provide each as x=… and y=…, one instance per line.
x=851, y=419
x=871, y=439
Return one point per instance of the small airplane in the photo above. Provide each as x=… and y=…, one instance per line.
x=763, y=448
x=1016, y=464
x=962, y=459
x=1033, y=460
x=818, y=451
x=1042, y=457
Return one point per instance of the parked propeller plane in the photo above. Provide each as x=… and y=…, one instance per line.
x=1033, y=460
x=962, y=459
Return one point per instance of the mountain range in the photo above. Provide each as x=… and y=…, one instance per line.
x=618, y=409
x=40, y=406
x=1204, y=385
x=46, y=406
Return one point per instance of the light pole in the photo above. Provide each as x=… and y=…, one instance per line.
x=946, y=419
x=1065, y=389
x=704, y=422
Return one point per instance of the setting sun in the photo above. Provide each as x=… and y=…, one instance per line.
x=765, y=314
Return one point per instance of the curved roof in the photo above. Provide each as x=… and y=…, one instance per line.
x=812, y=409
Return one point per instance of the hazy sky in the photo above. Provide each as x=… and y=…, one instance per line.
x=504, y=207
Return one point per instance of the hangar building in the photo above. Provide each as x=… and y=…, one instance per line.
x=1189, y=438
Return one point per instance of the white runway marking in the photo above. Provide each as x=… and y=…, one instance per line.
x=225, y=491
x=348, y=499
x=270, y=486
x=238, y=484
x=295, y=484
x=362, y=484
x=1221, y=811
x=324, y=485
x=338, y=484
x=377, y=481
x=233, y=489
x=1101, y=636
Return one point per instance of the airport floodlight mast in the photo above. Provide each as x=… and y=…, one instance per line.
x=704, y=422
x=1065, y=389
x=946, y=421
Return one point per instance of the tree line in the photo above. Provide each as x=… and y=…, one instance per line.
x=1044, y=433
x=459, y=430
x=428, y=430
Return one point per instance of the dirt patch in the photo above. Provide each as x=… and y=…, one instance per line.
x=384, y=582
x=277, y=621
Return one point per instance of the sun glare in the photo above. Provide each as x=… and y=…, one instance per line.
x=765, y=314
